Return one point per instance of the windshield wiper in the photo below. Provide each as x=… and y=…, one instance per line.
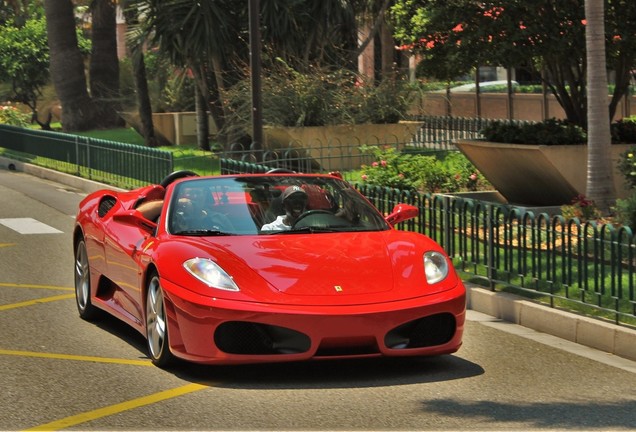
x=203, y=232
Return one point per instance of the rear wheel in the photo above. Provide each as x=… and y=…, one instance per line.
x=83, y=283
x=156, y=324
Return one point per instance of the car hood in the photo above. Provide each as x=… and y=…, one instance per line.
x=323, y=264
x=314, y=269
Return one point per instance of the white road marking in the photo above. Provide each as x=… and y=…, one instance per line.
x=28, y=226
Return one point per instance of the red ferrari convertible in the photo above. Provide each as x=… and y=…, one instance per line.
x=264, y=268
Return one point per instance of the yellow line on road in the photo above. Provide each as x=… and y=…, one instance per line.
x=36, y=301
x=51, y=287
x=75, y=357
x=118, y=408
x=7, y=244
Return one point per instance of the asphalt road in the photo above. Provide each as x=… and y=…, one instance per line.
x=59, y=372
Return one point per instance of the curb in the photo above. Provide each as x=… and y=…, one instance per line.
x=79, y=183
x=590, y=332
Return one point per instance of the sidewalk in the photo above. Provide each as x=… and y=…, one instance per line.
x=589, y=332
x=586, y=331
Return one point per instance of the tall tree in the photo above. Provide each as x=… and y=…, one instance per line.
x=210, y=39
x=600, y=184
x=104, y=63
x=458, y=35
x=67, y=68
x=135, y=44
x=24, y=62
x=198, y=36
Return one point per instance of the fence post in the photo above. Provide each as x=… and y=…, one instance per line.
x=490, y=244
x=447, y=240
x=77, y=156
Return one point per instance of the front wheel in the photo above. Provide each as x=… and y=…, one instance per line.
x=157, y=325
x=83, y=283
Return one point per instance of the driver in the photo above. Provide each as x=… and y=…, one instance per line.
x=294, y=200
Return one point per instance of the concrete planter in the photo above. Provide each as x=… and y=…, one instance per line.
x=180, y=128
x=537, y=175
x=337, y=147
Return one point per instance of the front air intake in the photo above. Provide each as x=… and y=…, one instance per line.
x=242, y=337
x=423, y=332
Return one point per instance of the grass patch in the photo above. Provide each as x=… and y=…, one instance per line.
x=121, y=135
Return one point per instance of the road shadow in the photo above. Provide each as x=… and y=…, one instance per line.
x=582, y=415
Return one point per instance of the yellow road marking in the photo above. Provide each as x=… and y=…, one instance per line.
x=36, y=301
x=7, y=244
x=75, y=357
x=52, y=287
x=118, y=408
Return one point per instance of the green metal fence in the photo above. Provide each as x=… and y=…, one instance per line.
x=581, y=267
x=129, y=165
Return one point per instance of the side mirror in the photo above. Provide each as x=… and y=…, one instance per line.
x=401, y=213
x=135, y=218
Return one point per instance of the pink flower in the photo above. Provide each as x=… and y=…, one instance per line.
x=374, y=164
x=364, y=177
x=400, y=175
x=458, y=28
x=383, y=163
x=473, y=177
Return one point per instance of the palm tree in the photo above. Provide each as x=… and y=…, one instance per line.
x=600, y=185
x=104, y=63
x=67, y=67
x=198, y=36
x=134, y=43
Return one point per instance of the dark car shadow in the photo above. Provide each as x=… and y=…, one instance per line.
x=122, y=331
x=340, y=373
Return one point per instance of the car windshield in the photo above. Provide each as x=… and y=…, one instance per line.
x=269, y=204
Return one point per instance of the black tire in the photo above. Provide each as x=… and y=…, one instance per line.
x=176, y=176
x=83, y=283
x=157, y=339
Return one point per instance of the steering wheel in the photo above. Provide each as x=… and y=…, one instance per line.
x=176, y=176
x=219, y=221
x=309, y=213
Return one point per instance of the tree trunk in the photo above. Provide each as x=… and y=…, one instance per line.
x=600, y=184
x=104, y=63
x=143, y=99
x=203, y=126
x=67, y=67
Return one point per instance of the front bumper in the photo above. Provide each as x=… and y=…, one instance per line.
x=230, y=332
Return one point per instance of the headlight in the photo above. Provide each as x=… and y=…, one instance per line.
x=435, y=267
x=210, y=273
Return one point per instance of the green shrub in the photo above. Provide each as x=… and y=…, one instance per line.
x=11, y=115
x=548, y=132
x=581, y=208
x=624, y=130
x=390, y=169
x=453, y=173
x=320, y=97
x=626, y=211
x=627, y=166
